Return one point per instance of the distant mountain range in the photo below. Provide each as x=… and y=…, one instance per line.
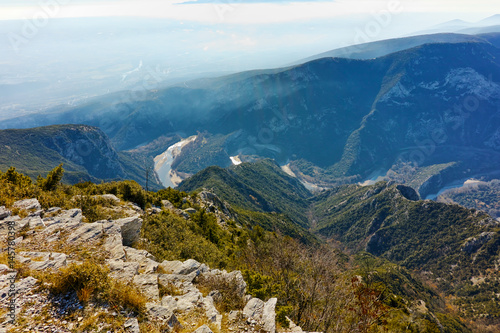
x=487, y=25
x=336, y=120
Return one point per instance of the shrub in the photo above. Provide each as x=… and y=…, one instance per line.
x=91, y=282
x=228, y=288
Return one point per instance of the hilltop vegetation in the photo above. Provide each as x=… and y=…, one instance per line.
x=317, y=286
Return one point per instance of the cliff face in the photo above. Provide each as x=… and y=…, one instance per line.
x=89, y=147
x=85, y=151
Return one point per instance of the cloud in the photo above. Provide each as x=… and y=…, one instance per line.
x=241, y=11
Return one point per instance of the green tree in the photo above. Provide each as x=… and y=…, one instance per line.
x=53, y=178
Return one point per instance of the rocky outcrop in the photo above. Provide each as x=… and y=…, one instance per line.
x=27, y=204
x=172, y=288
x=211, y=202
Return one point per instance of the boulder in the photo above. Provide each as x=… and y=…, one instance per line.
x=110, y=197
x=203, y=329
x=237, y=277
x=169, y=267
x=14, y=221
x=130, y=229
x=114, y=243
x=269, y=316
x=148, y=285
x=131, y=325
x=164, y=314
x=254, y=309
x=179, y=281
x=190, y=210
x=190, y=300
x=28, y=204
x=211, y=312
x=87, y=232
x=187, y=267
x=234, y=315
x=67, y=219
x=168, y=205
x=182, y=268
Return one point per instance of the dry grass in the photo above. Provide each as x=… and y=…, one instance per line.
x=91, y=282
x=169, y=289
x=228, y=288
x=102, y=322
x=192, y=320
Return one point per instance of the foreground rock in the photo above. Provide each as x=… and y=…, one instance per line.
x=54, y=238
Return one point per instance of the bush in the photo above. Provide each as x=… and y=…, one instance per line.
x=91, y=282
x=229, y=298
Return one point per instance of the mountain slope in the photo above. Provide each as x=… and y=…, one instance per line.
x=335, y=120
x=385, y=47
x=260, y=192
x=85, y=151
x=450, y=244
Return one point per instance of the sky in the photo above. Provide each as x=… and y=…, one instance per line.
x=243, y=11
x=70, y=59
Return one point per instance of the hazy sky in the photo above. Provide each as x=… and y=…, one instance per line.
x=243, y=11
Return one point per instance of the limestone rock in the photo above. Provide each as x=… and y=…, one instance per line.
x=234, y=276
x=254, y=309
x=87, y=232
x=21, y=287
x=67, y=219
x=168, y=205
x=169, y=302
x=170, y=267
x=269, y=316
x=164, y=314
x=213, y=204
x=14, y=221
x=114, y=245
x=146, y=261
x=211, y=312
x=44, y=260
x=148, y=284
x=178, y=280
x=4, y=212
x=111, y=197
x=188, y=266
x=203, y=329
x=190, y=300
x=130, y=229
x=132, y=326
x=35, y=221
x=124, y=271
x=234, y=315
x=27, y=204
x=5, y=281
